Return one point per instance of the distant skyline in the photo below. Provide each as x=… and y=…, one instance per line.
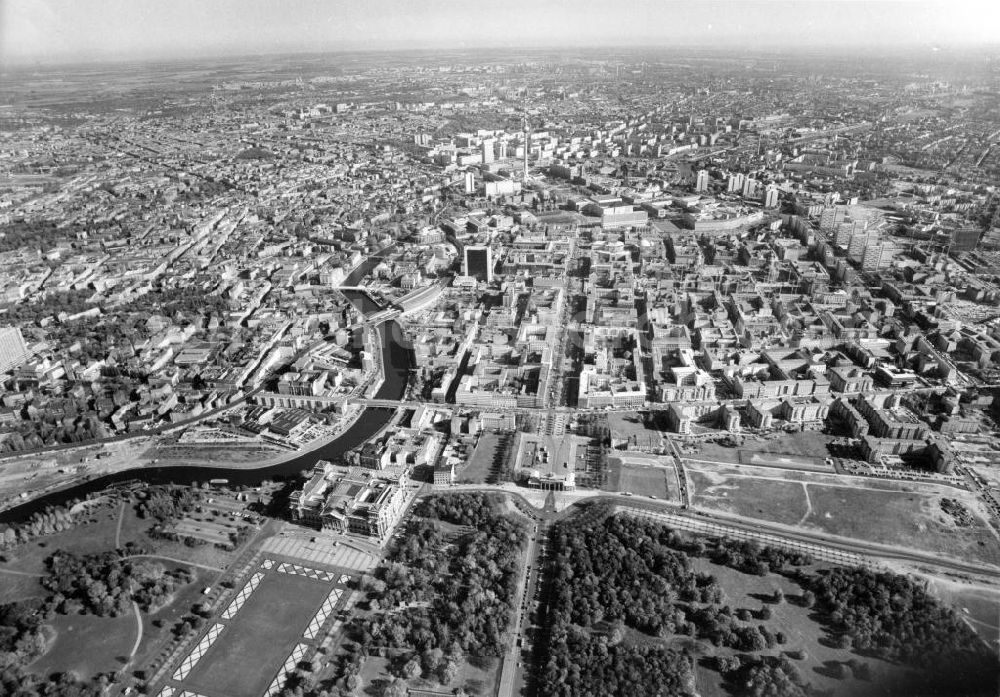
x=46, y=31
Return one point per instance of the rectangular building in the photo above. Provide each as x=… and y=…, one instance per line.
x=13, y=350
x=479, y=263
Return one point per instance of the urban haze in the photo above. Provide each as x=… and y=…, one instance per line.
x=537, y=349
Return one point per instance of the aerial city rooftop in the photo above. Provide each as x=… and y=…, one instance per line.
x=749, y=297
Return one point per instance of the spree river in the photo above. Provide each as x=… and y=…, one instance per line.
x=397, y=360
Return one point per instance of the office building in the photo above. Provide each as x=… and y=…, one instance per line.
x=701, y=183
x=965, y=239
x=479, y=263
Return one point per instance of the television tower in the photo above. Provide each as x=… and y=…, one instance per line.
x=527, y=145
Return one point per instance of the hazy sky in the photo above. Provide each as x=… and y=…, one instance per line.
x=53, y=30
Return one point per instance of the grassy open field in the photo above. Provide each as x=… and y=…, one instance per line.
x=86, y=645
x=14, y=586
x=905, y=514
x=768, y=499
x=248, y=654
x=95, y=534
x=99, y=536
x=480, y=465
x=802, y=631
x=644, y=480
x=904, y=518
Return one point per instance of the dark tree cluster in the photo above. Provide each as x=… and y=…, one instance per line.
x=69, y=301
x=625, y=569
x=889, y=616
x=765, y=677
x=464, y=509
x=166, y=503
x=454, y=595
x=106, y=584
x=618, y=570
x=751, y=558
x=585, y=665
x=45, y=428
x=21, y=637
x=43, y=235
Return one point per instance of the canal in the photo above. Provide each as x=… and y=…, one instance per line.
x=397, y=359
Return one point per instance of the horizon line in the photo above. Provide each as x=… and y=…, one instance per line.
x=927, y=48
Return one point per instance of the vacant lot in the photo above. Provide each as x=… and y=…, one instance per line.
x=767, y=499
x=905, y=518
x=642, y=480
x=630, y=427
x=87, y=645
x=480, y=466
x=904, y=514
x=248, y=654
x=216, y=454
x=805, y=450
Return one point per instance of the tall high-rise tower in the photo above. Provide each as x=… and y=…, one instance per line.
x=701, y=183
x=13, y=351
x=479, y=263
x=527, y=147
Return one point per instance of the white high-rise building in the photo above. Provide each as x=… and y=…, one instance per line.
x=771, y=197
x=487, y=148
x=701, y=183
x=13, y=350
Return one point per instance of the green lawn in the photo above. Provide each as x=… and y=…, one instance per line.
x=14, y=587
x=247, y=655
x=87, y=645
